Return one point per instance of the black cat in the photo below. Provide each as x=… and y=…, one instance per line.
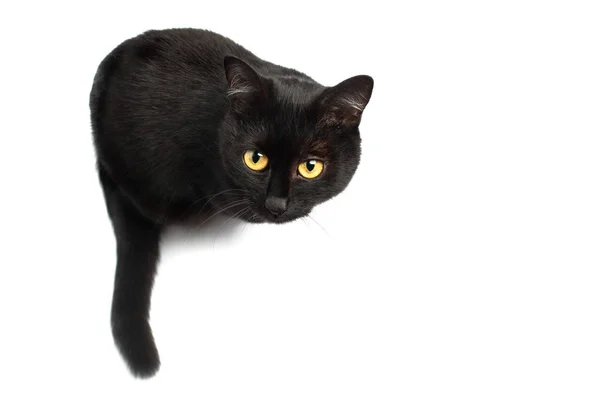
x=187, y=124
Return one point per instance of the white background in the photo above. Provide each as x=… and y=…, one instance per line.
x=462, y=262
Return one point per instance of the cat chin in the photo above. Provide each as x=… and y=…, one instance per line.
x=261, y=219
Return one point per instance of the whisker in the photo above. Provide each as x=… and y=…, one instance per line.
x=230, y=205
x=220, y=193
x=320, y=226
x=212, y=196
x=305, y=223
x=244, y=227
x=254, y=215
x=237, y=214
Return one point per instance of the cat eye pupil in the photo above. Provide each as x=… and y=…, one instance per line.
x=310, y=165
x=256, y=156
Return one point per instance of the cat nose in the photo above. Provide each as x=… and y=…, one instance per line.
x=276, y=205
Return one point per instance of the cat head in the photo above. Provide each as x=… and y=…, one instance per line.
x=289, y=143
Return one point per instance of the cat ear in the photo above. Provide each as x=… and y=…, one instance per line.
x=245, y=86
x=343, y=104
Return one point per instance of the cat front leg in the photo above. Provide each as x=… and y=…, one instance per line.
x=137, y=257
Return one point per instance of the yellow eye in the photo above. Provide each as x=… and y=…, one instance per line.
x=310, y=169
x=255, y=160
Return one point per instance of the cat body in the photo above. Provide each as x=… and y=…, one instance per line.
x=188, y=124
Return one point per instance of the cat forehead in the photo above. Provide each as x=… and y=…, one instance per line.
x=291, y=120
x=301, y=148
x=295, y=137
x=297, y=93
x=286, y=138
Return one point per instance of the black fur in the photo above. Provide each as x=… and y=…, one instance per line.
x=172, y=113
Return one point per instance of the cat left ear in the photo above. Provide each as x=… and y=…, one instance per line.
x=343, y=104
x=246, y=87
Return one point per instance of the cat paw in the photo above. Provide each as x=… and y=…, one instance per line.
x=135, y=342
x=143, y=361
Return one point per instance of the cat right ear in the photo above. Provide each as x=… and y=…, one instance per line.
x=246, y=88
x=343, y=104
